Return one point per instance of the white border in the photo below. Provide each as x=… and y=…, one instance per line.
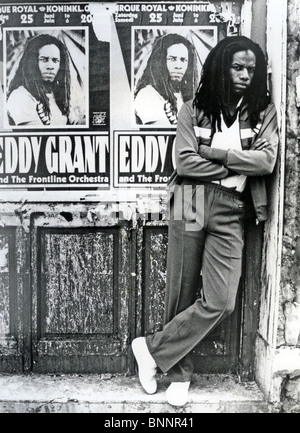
x=116, y=152
x=171, y=28
x=84, y=187
x=87, y=108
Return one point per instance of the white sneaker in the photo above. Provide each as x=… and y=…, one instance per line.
x=177, y=394
x=146, y=365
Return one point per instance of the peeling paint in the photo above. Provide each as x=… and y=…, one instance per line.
x=78, y=283
x=4, y=285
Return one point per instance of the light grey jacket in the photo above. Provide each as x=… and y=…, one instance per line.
x=194, y=129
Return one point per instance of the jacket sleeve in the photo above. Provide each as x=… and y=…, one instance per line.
x=255, y=162
x=188, y=161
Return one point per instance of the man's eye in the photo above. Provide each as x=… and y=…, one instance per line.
x=237, y=67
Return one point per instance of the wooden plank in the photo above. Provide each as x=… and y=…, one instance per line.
x=252, y=290
x=154, y=277
x=10, y=344
x=77, y=273
x=4, y=285
x=80, y=300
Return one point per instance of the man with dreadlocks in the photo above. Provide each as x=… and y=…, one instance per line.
x=39, y=93
x=227, y=140
x=168, y=80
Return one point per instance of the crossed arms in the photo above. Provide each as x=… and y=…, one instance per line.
x=208, y=163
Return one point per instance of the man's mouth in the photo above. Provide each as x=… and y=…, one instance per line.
x=176, y=75
x=241, y=86
x=48, y=78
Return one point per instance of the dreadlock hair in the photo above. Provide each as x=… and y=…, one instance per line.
x=28, y=74
x=213, y=90
x=156, y=73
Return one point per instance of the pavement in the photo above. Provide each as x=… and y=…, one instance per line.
x=59, y=393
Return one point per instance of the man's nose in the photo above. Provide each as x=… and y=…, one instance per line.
x=245, y=74
x=50, y=64
x=178, y=64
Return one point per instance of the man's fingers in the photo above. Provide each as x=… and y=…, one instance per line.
x=260, y=144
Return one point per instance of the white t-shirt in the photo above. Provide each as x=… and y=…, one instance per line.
x=230, y=138
x=22, y=108
x=149, y=106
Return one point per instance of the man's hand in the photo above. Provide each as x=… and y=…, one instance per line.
x=213, y=154
x=205, y=151
x=260, y=144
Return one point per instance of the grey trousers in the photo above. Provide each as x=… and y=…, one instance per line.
x=211, y=244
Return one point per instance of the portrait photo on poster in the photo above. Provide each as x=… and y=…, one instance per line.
x=166, y=68
x=46, y=74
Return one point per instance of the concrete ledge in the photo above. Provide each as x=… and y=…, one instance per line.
x=120, y=394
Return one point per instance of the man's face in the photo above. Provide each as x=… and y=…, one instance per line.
x=241, y=71
x=177, y=61
x=49, y=62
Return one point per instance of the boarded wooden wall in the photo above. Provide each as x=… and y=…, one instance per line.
x=77, y=286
